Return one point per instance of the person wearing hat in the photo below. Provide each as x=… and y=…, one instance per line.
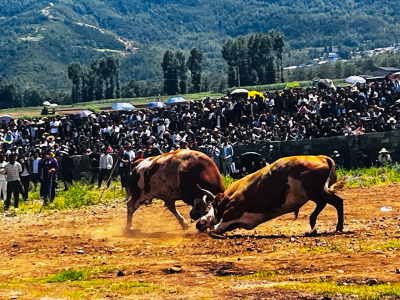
x=106, y=165
x=384, y=157
x=48, y=168
x=362, y=160
x=338, y=159
x=12, y=169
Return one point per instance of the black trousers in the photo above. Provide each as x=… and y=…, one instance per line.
x=25, y=186
x=104, y=175
x=13, y=188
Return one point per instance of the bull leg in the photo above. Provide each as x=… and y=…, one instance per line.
x=132, y=206
x=171, y=206
x=337, y=202
x=317, y=211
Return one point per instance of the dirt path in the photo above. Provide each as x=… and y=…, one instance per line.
x=39, y=246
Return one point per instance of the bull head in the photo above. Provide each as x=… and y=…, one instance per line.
x=207, y=217
x=201, y=205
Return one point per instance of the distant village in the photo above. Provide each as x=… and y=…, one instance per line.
x=333, y=56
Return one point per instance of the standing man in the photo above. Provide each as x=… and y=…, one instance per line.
x=106, y=165
x=12, y=169
x=35, y=168
x=130, y=152
x=67, y=168
x=25, y=175
x=48, y=168
x=94, y=158
x=3, y=179
x=124, y=167
x=226, y=155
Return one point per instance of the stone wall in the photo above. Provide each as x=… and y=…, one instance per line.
x=347, y=146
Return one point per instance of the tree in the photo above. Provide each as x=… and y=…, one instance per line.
x=169, y=66
x=181, y=71
x=75, y=73
x=195, y=65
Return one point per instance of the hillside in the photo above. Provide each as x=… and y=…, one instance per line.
x=39, y=39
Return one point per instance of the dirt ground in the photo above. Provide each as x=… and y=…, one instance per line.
x=43, y=245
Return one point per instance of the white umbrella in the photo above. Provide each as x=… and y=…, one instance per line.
x=47, y=103
x=240, y=91
x=85, y=113
x=355, y=79
x=54, y=105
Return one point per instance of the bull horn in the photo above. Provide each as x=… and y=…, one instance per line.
x=208, y=193
x=214, y=235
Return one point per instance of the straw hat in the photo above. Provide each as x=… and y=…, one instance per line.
x=383, y=150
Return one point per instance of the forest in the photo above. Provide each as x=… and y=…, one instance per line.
x=39, y=40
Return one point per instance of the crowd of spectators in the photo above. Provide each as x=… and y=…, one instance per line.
x=209, y=125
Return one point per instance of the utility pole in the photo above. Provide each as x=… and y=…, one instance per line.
x=238, y=76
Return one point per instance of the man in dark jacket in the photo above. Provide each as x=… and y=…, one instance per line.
x=48, y=168
x=67, y=168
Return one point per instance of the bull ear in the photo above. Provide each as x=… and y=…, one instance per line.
x=208, y=194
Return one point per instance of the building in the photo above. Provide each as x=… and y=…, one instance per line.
x=383, y=71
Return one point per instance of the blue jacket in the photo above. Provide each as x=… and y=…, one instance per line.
x=229, y=153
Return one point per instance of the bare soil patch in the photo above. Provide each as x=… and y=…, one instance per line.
x=38, y=246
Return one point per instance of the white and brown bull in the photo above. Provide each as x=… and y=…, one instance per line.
x=174, y=176
x=280, y=188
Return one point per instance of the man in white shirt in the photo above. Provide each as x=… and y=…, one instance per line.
x=35, y=168
x=106, y=165
x=12, y=169
x=3, y=178
x=54, y=126
x=25, y=175
x=130, y=152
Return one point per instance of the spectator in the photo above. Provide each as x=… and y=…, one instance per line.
x=12, y=169
x=67, y=168
x=35, y=168
x=94, y=158
x=25, y=175
x=384, y=157
x=106, y=165
x=48, y=168
x=226, y=154
x=238, y=169
x=3, y=179
x=124, y=167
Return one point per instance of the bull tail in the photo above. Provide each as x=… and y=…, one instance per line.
x=337, y=185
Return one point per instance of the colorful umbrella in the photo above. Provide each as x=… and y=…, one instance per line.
x=240, y=91
x=355, y=79
x=176, y=100
x=6, y=118
x=123, y=106
x=84, y=113
x=156, y=104
x=254, y=93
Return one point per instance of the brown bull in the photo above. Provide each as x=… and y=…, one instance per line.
x=280, y=188
x=174, y=176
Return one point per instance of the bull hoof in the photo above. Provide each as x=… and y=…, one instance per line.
x=214, y=235
x=339, y=228
x=312, y=233
x=185, y=226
